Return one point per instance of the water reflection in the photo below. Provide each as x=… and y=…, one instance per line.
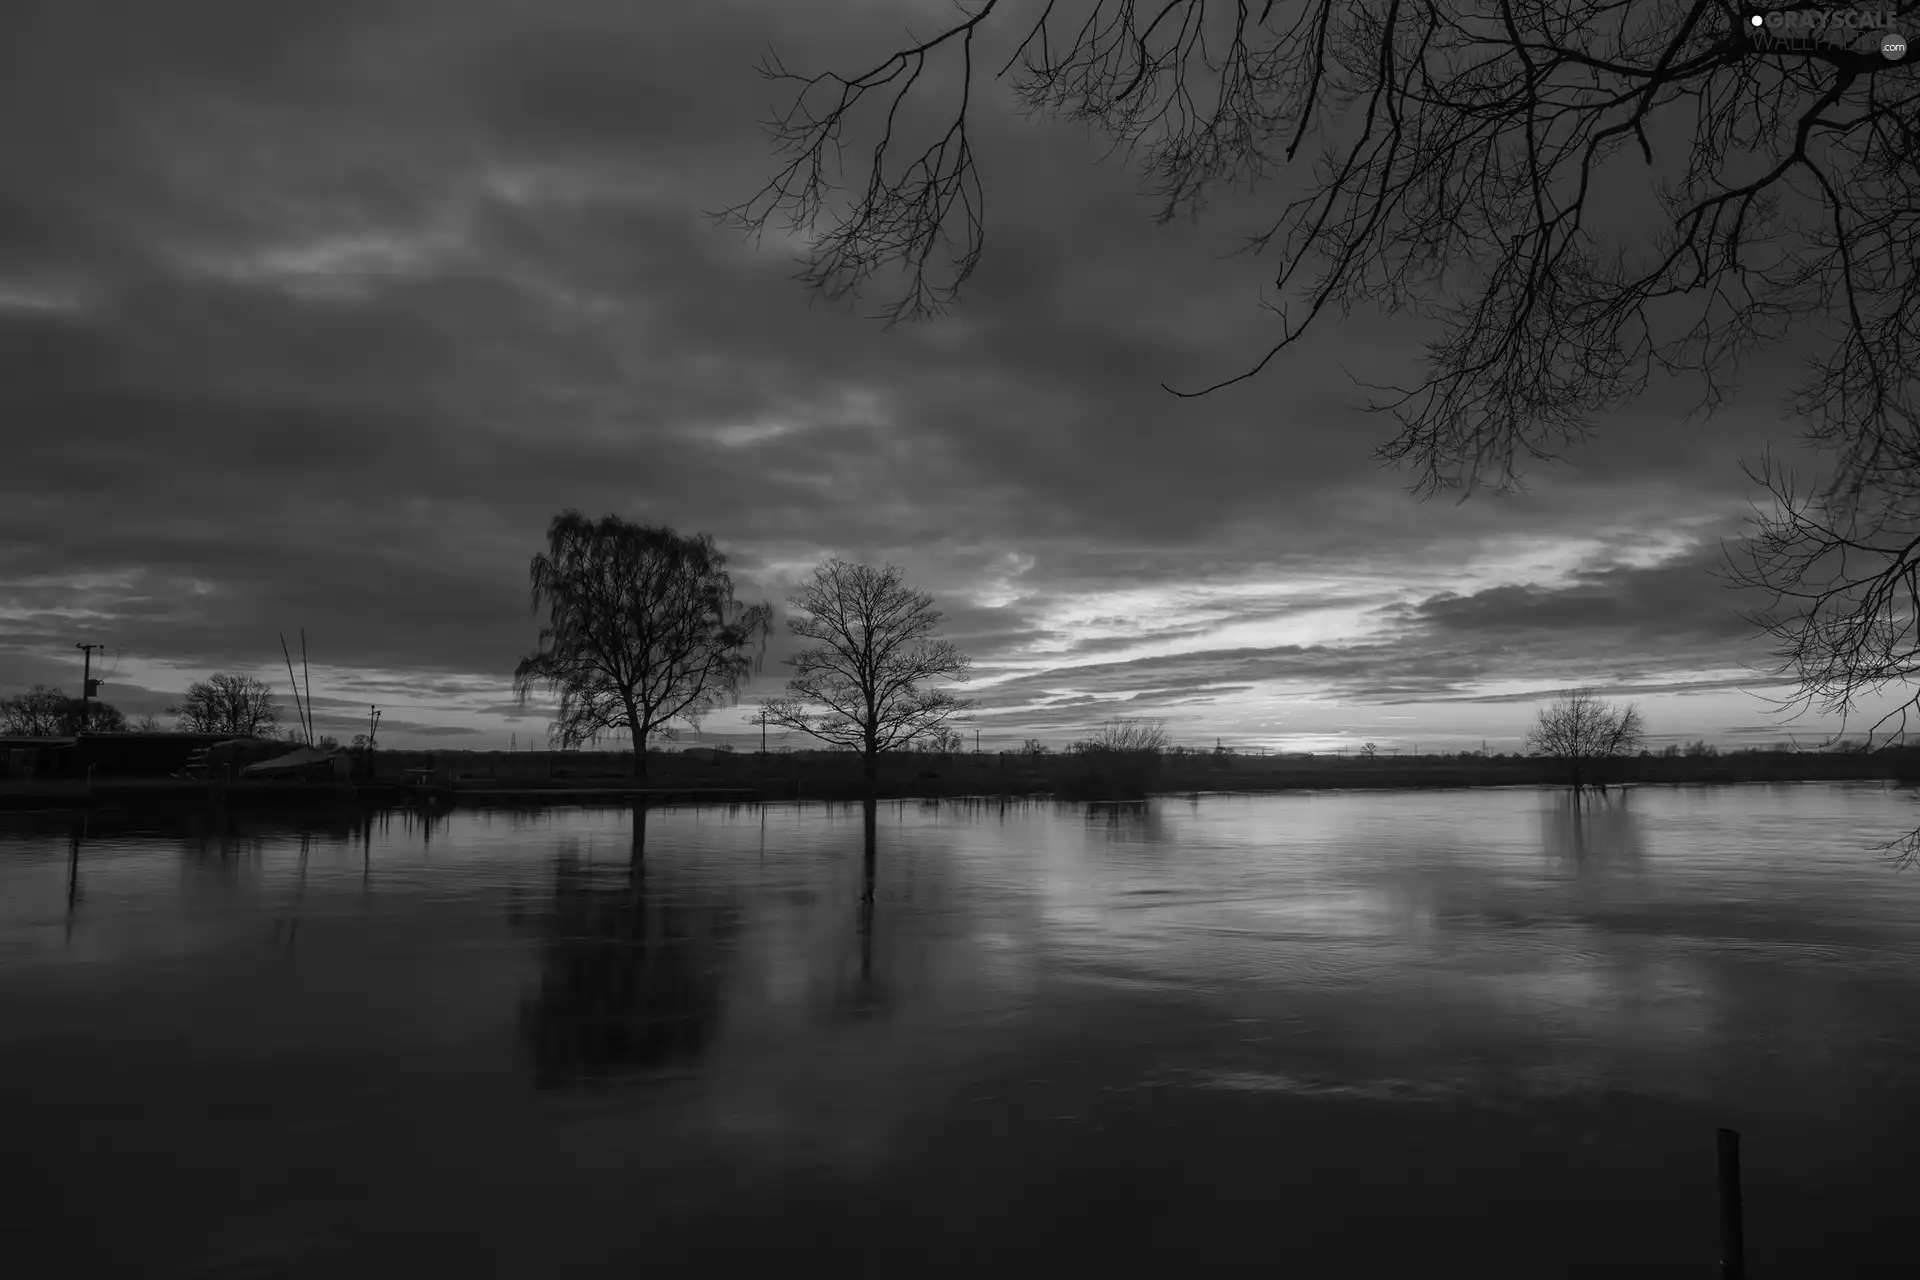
x=1594, y=829
x=864, y=1001
x=1194, y=1016
x=75, y=839
x=1126, y=821
x=287, y=928
x=631, y=969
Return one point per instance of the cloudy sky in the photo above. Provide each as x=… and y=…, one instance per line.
x=312, y=315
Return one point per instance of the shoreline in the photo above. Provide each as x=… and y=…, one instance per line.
x=751, y=780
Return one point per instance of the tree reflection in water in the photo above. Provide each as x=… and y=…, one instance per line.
x=865, y=999
x=1593, y=829
x=631, y=975
x=1127, y=821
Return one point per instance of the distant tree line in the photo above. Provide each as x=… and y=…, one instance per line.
x=46, y=712
x=241, y=706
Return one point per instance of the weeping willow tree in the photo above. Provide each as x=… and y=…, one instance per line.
x=643, y=631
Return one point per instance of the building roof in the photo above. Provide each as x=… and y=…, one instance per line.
x=298, y=758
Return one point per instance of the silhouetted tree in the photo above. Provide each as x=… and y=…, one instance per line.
x=45, y=712
x=225, y=703
x=40, y=712
x=1439, y=133
x=940, y=742
x=860, y=687
x=1843, y=579
x=1131, y=734
x=94, y=716
x=1581, y=731
x=643, y=630
x=48, y=712
x=148, y=723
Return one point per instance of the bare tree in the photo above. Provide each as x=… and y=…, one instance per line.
x=860, y=686
x=643, y=630
x=1581, y=731
x=1438, y=134
x=148, y=723
x=940, y=742
x=94, y=716
x=40, y=712
x=1844, y=596
x=1843, y=612
x=1127, y=734
x=225, y=703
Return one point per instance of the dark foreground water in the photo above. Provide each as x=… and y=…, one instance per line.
x=1473, y=1033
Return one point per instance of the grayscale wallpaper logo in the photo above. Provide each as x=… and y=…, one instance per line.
x=1860, y=29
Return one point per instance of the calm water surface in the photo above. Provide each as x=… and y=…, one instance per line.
x=1316, y=1035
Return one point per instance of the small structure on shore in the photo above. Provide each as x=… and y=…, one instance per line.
x=108, y=755
x=28, y=757
x=303, y=763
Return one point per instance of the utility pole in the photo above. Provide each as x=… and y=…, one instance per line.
x=976, y=741
x=87, y=683
x=373, y=725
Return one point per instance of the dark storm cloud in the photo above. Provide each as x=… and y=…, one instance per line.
x=1681, y=602
x=312, y=316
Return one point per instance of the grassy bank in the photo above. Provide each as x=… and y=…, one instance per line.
x=838, y=776
x=835, y=776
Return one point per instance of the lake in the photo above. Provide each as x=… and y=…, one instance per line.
x=1316, y=1034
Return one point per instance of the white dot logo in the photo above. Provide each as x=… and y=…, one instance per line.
x=1757, y=20
x=1893, y=47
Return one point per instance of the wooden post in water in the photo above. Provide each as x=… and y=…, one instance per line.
x=1733, y=1259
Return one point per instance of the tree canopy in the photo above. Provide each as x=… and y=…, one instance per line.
x=642, y=630
x=46, y=712
x=226, y=703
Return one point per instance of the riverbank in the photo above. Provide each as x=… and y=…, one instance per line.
x=607, y=778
